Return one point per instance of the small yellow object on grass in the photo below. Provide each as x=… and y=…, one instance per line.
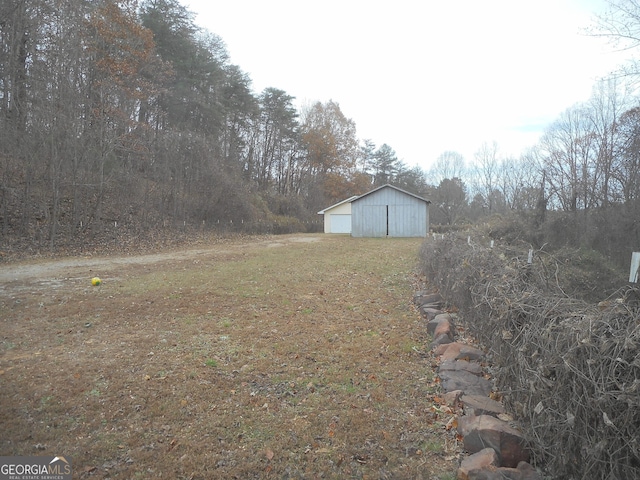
x=95, y=281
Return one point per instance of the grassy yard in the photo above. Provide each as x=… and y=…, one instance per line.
x=281, y=357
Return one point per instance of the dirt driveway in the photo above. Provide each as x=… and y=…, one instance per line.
x=78, y=267
x=294, y=356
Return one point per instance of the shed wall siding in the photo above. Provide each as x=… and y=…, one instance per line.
x=389, y=212
x=340, y=223
x=344, y=209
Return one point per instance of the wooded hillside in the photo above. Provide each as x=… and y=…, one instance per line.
x=126, y=119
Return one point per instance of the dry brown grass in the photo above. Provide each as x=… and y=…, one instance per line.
x=290, y=357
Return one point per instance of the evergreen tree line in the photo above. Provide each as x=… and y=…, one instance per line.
x=119, y=113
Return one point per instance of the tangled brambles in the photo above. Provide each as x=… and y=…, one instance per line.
x=569, y=369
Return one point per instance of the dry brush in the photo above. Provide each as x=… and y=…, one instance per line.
x=567, y=368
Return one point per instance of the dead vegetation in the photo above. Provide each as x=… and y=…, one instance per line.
x=285, y=357
x=567, y=367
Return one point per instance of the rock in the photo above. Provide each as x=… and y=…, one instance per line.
x=424, y=298
x=459, y=351
x=434, y=306
x=444, y=327
x=470, y=353
x=440, y=350
x=442, y=333
x=417, y=297
x=440, y=319
x=433, y=324
x=486, y=457
x=460, y=365
x=493, y=473
x=444, y=316
x=469, y=383
x=528, y=472
x=431, y=313
x=452, y=398
x=441, y=339
x=443, y=352
x=524, y=471
x=481, y=405
x=484, y=431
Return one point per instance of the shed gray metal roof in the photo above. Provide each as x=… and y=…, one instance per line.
x=395, y=188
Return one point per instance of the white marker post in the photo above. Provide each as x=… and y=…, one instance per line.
x=635, y=267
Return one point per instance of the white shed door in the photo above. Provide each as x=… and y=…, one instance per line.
x=340, y=223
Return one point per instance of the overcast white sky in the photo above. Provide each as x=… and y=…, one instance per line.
x=422, y=76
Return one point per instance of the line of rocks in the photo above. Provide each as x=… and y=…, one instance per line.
x=497, y=450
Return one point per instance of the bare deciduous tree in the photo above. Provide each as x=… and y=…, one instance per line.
x=449, y=165
x=486, y=173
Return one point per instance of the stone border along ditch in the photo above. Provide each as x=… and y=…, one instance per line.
x=496, y=448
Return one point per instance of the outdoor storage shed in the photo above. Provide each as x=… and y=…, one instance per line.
x=389, y=211
x=337, y=218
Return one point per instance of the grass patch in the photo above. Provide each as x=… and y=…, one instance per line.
x=253, y=362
